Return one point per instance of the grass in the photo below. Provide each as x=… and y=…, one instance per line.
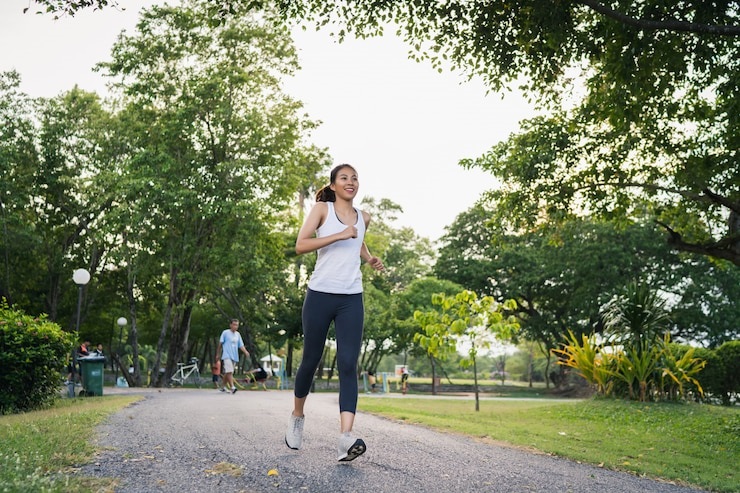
x=686, y=443
x=39, y=450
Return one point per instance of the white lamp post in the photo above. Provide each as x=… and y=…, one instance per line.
x=80, y=277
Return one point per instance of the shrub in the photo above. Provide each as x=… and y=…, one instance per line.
x=680, y=367
x=590, y=360
x=724, y=370
x=32, y=353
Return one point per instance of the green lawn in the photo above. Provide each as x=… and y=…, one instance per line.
x=687, y=443
x=38, y=449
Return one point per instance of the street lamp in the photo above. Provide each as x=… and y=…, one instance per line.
x=80, y=277
x=121, y=324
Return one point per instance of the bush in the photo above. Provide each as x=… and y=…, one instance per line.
x=32, y=353
x=712, y=376
x=725, y=372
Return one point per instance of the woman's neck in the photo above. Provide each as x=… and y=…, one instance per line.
x=343, y=205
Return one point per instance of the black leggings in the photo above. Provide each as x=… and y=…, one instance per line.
x=347, y=312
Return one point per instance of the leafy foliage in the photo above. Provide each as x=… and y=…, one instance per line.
x=33, y=351
x=721, y=378
x=636, y=318
x=464, y=319
x=643, y=97
x=212, y=155
x=636, y=359
x=680, y=371
x=587, y=357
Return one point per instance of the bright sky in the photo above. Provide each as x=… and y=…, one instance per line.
x=403, y=125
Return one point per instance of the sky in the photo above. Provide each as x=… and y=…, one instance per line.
x=403, y=125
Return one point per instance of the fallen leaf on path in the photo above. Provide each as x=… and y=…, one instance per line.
x=225, y=468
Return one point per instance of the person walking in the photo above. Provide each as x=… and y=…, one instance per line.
x=216, y=375
x=229, y=346
x=335, y=229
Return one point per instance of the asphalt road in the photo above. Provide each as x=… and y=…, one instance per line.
x=201, y=441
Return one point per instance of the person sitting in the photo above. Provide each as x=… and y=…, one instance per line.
x=81, y=352
x=256, y=376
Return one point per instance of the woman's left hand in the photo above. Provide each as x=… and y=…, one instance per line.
x=376, y=263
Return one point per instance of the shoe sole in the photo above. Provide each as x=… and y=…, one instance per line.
x=357, y=449
x=292, y=448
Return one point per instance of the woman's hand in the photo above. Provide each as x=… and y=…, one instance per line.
x=376, y=263
x=349, y=232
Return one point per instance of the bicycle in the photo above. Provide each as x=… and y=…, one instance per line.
x=186, y=373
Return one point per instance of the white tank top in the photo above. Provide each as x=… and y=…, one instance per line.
x=338, y=265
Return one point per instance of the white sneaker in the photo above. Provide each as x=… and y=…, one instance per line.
x=350, y=448
x=294, y=433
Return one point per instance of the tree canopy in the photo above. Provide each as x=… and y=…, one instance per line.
x=643, y=95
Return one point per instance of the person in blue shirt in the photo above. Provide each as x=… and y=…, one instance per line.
x=228, y=349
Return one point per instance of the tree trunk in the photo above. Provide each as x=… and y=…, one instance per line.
x=178, y=346
x=158, y=377
x=475, y=385
x=530, y=366
x=434, y=375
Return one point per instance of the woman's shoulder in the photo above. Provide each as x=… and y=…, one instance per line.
x=365, y=217
x=320, y=209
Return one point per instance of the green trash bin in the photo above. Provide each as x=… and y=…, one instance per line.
x=91, y=370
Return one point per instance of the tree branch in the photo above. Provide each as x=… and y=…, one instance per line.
x=667, y=25
x=706, y=196
x=721, y=249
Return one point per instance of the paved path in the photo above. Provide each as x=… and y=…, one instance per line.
x=192, y=440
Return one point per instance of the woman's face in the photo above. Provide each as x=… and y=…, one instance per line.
x=346, y=183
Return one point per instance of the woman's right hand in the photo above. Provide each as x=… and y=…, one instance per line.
x=349, y=232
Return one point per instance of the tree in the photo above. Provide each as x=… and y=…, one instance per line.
x=18, y=161
x=706, y=310
x=464, y=318
x=50, y=152
x=417, y=296
x=559, y=273
x=687, y=181
x=71, y=7
x=657, y=124
x=212, y=156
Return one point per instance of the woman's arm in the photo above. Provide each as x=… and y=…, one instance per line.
x=307, y=240
x=365, y=254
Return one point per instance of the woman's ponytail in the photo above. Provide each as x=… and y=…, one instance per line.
x=326, y=194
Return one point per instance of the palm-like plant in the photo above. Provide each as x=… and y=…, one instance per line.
x=636, y=366
x=637, y=352
x=589, y=359
x=679, y=370
x=636, y=318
